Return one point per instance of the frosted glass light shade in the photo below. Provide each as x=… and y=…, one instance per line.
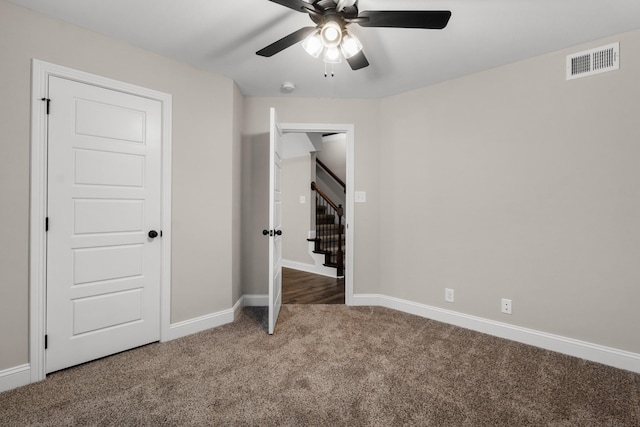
x=350, y=45
x=332, y=55
x=313, y=44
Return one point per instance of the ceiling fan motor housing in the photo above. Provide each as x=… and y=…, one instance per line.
x=326, y=11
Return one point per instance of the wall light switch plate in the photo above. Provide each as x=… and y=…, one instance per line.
x=361, y=197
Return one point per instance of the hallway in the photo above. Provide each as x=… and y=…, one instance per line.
x=299, y=287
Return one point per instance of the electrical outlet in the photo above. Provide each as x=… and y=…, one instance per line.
x=448, y=295
x=506, y=306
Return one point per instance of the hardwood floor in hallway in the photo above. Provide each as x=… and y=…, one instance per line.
x=299, y=287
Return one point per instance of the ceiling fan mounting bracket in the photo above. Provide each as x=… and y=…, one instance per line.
x=322, y=20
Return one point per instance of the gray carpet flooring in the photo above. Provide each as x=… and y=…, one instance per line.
x=331, y=365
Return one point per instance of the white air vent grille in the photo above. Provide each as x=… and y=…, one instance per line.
x=593, y=61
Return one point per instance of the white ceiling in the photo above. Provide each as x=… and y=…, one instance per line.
x=223, y=35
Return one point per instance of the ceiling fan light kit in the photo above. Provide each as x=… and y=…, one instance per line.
x=331, y=34
x=350, y=45
x=313, y=44
x=332, y=55
x=331, y=38
x=334, y=41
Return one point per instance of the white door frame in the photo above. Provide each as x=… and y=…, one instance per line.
x=40, y=73
x=348, y=130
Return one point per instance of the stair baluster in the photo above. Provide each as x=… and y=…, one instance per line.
x=329, y=233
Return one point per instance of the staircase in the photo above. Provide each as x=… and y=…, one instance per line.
x=329, y=240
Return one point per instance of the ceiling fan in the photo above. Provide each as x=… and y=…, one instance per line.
x=330, y=36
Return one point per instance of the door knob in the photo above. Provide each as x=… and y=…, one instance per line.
x=265, y=232
x=279, y=232
x=153, y=234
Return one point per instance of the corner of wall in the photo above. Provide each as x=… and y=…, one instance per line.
x=585, y=350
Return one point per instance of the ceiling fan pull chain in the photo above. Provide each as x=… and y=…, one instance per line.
x=326, y=73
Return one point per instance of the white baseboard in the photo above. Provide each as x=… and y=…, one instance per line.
x=202, y=323
x=366, y=299
x=237, y=307
x=15, y=377
x=21, y=375
x=255, y=300
x=585, y=350
x=310, y=268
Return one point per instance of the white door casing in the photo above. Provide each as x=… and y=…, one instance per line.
x=109, y=255
x=275, y=220
x=103, y=271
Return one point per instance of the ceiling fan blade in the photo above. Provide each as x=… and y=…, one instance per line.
x=285, y=42
x=358, y=61
x=427, y=19
x=299, y=5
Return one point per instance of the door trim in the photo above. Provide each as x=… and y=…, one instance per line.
x=348, y=130
x=40, y=73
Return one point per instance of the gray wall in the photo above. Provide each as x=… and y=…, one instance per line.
x=236, y=204
x=296, y=221
x=333, y=155
x=517, y=183
x=205, y=150
x=255, y=212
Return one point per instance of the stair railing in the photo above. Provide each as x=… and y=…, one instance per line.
x=332, y=175
x=326, y=230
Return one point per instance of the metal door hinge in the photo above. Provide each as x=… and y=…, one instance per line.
x=46, y=341
x=48, y=101
x=46, y=224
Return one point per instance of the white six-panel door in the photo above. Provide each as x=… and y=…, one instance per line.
x=275, y=221
x=104, y=196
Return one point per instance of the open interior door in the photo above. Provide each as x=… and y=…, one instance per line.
x=275, y=220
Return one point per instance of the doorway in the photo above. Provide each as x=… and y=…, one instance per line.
x=313, y=210
x=342, y=288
